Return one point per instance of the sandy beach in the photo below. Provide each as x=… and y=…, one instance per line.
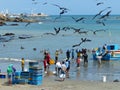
x=53, y=84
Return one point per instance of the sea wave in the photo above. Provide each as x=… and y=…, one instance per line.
x=17, y=59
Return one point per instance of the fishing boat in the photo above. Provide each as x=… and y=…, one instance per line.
x=108, y=52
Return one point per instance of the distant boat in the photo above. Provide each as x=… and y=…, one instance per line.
x=24, y=36
x=112, y=52
x=36, y=15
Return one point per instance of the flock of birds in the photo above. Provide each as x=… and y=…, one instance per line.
x=99, y=18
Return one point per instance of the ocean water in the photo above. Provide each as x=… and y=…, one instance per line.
x=64, y=40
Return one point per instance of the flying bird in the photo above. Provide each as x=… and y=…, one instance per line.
x=100, y=22
x=49, y=34
x=100, y=12
x=66, y=28
x=63, y=10
x=27, y=24
x=76, y=30
x=79, y=19
x=57, y=30
x=82, y=41
x=99, y=3
x=94, y=32
x=106, y=15
x=83, y=32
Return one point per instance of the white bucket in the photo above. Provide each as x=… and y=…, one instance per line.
x=104, y=79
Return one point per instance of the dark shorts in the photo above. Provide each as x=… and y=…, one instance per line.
x=9, y=75
x=68, y=69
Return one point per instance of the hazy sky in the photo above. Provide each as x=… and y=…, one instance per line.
x=75, y=6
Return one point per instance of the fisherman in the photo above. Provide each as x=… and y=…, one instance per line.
x=68, y=54
x=63, y=71
x=67, y=63
x=22, y=64
x=72, y=53
x=9, y=74
x=56, y=56
x=85, y=57
x=78, y=61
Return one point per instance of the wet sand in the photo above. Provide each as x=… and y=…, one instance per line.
x=54, y=84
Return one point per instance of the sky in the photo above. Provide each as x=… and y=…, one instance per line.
x=76, y=7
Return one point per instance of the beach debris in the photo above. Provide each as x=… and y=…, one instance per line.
x=116, y=80
x=34, y=49
x=104, y=78
x=21, y=47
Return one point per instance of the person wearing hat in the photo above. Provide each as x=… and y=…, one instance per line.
x=56, y=55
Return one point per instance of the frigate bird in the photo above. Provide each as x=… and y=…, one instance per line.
x=79, y=19
x=66, y=28
x=100, y=12
x=27, y=24
x=82, y=41
x=49, y=34
x=83, y=32
x=106, y=15
x=63, y=10
x=100, y=22
x=76, y=30
x=94, y=32
x=57, y=30
x=99, y=3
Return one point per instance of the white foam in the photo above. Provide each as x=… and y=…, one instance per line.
x=16, y=59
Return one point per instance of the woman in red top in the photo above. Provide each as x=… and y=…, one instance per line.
x=47, y=58
x=45, y=64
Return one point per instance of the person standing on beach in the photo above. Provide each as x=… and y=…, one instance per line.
x=63, y=71
x=85, y=57
x=67, y=63
x=78, y=53
x=68, y=54
x=45, y=65
x=22, y=64
x=72, y=54
x=78, y=61
x=56, y=56
x=47, y=58
x=9, y=74
x=13, y=74
x=58, y=68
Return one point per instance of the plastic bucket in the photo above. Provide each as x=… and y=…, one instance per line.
x=104, y=79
